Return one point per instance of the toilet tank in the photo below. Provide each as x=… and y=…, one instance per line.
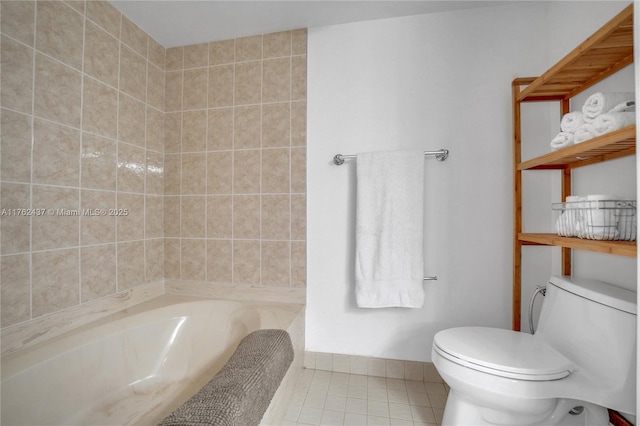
x=593, y=324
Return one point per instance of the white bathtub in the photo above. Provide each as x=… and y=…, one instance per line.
x=136, y=366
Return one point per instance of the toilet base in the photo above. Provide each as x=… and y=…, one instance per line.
x=460, y=411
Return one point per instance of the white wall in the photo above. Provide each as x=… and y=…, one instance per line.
x=422, y=82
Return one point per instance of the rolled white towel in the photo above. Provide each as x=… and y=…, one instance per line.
x=571, y=121
x=569, y=220
x=609, y=122
x=599, y=103
x=562, y=140
x=601, y=218
x=626, y=106
x=584, y=132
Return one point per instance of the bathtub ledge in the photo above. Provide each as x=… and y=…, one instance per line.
x=236, y=292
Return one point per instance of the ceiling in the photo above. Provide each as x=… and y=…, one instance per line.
x=183, y=22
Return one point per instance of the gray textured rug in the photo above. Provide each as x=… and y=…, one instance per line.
x=241, y=391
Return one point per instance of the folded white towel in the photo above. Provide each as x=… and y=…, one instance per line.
x=571, y=121
x=601, y=217
x=389, y=229
x=584, y=132
x=562, y=140
x=611, y=121
x=626, y=106
x=599, y=103
x=627, y=224
x=568, y=222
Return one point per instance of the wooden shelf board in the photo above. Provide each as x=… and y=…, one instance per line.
x=607, y=51
x=622, y=248
x=618, y=143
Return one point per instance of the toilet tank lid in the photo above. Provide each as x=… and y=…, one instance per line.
x=598, y=291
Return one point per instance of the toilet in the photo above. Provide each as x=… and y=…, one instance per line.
x=581, y=359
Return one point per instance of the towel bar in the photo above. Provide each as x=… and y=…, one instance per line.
x=430, y=278
x=440, y=155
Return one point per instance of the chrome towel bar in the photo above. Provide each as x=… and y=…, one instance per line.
x=440, y=154
x=430, y=278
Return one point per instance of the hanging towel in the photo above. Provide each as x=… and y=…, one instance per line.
x=389, y=229
x=611, y=121
x=584, y=132
x=562, y=140
x=571, y=121
x=600, y=102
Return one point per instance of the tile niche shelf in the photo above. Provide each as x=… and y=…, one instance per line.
x=604, y=53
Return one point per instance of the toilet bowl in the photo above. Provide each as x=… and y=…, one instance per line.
x=583, y=355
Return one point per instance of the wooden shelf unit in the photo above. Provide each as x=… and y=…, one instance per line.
x=604, y=53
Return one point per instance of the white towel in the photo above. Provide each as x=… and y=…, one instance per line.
x=571, y=121
x=601, y=217
x=389, y=229
x=626, y=106
x=562, y=140
x=599, y=103
x=584, y=132
x=611, y=121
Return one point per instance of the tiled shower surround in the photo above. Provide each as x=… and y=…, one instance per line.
x=191, y=160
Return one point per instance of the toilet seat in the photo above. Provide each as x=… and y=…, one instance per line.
x=502, y=353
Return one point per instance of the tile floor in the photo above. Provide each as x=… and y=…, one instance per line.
x=341, y=399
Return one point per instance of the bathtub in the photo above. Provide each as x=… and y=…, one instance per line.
x=138, y=365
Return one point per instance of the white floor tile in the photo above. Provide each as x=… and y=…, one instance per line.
x=332, y=418
x=353, y=419
x=356, y=405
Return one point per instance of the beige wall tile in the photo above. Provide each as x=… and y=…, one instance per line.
x=276, y=170
x=299, y=123
x=99, y=228
x=131, y=120
x=249, y=48
x=246, y=262
x=173, y=132
x=16, y=74
x=130, y=217
x=276, y=84
x=219, y=172
x=155, y=130
x=105, y=15
x=298, y=264
x=277, y=44
x=219, y=216
x=222, y=52
x=193, y=260
x=221, y=86
x=220, y=129
x=246, y=216
x=193, y=217
x=173, y=91
x=194, y=131
x=17, y=20
x=248, y=83
x=59, y=32
x=131, y=168
x=56, y=154
x=247, y=127
x=276, y=263
x=130, y=264
x=154, y=252
x=299, y=78
x=219, y=261
x=134, y=37
x=15, y=228
x=100, y=108
x=53, y=231
x=276, y=125
x=98, y=271
x=172, y=258
x=99, y=162
x=101, y=54
x=171, y=216
x=15, y=142
x=298, y=170
x=157, y=54
x=196, y=56
x=15, y=292
x=133, y=73
x=172, y=173
x=298, y=217
x=195, y=88
x=57, y=92
x=155, y=173
x=154, y=216
x=194, y=174
x=246, y=172
x=155, y=87
x=51, y=295
x=276, y=217
x=175, y=57
x=299, y=42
